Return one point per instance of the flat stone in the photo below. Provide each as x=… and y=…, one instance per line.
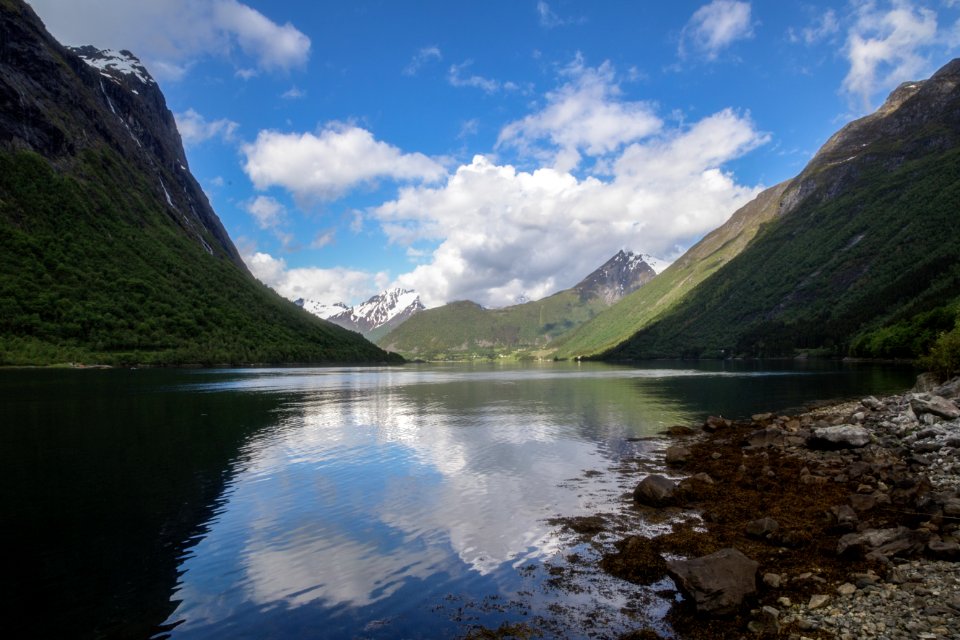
x=923, y=403
x=846, y=589
x=843, y=436
x=817, y=601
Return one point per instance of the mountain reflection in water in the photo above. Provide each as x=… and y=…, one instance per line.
x=359, y=502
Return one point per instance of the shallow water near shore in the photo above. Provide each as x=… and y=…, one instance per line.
x=340, y=502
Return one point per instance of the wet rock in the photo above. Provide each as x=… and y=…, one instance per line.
x=678, y=430
x=677, y=456
x=717, y=583
x=655, y=491
x=843, y=436
x=713, y=423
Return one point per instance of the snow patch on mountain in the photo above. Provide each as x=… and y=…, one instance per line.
x=320, y=309
x=111, y=62
x=392, y=307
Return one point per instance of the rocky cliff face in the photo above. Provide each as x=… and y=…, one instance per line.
x=61, y=102
x=622, y=274
x=905, y=126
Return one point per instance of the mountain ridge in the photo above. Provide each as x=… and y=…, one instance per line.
x=464, y=329
x=865, y=239
x=375, y=316
x=110, y=251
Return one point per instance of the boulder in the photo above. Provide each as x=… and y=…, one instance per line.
x=717, y=583
x=655, y=491
x=843, y=436
x=715, y=422
x=677, y=456
x=923, y=403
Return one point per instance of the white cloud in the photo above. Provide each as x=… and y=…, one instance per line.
x=887, y=46
x=293, y=93
x=548, y=19
x=504, y=232
x=823, y=27
x=458, y=78
x=323, y=285
x=326, y=165
x=585, y=114
x=273, y=46
x=422, y=57
x=715, y=26
x=268, y=213
x=322, y=239
x=169, y=35
x=194, y=128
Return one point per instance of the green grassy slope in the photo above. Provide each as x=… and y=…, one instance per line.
x=883, y=250
x=92, y=270
x=617, y=323
x=467, y=330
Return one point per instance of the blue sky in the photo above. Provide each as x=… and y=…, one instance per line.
x=498, y=150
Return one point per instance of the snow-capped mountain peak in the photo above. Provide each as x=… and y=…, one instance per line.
x=388, y=309
x=113, y=63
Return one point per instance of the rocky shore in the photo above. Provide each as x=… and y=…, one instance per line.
x=842, y=522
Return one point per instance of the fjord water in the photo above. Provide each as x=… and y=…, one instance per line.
x=332, y=502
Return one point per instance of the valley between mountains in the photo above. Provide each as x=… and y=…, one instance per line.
x=111, y=252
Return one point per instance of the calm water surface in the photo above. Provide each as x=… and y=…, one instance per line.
x=334, y=502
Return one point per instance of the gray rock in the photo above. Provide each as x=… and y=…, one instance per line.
x=655, y=491
x=762, y=528
x=717, y=583
x=923, y=403
x=845, y=517
x=844, y=436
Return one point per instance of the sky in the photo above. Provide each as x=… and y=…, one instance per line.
x=502, y=150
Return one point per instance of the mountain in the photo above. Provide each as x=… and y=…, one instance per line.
x=464, y=329
x=617, y=323
x=109, y=249
x=859, y=254
x=373, y=318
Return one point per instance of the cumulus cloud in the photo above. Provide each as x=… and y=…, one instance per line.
x=325, y=165
x=715, y=26
x=502, y=233
x=327, y=286
x=888, y=45
x=194, y=128
x=168, y=35
x=585, y=114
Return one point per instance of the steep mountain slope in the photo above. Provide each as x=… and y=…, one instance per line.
x=373, y=318
x=109, y=250
x=867, y=238
x=465, y=329
x=614, y=325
